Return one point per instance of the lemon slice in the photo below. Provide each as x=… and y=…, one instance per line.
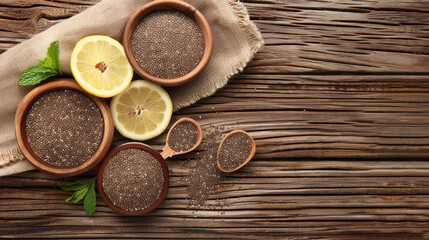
x=142, y=111
x=99, y=65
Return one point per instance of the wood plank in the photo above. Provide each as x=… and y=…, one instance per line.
x=266, y=216
x=344, y=36
x=264, y=199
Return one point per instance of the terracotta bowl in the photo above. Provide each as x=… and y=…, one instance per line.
x=184, y=8
x=21, y=116
x=164, y=169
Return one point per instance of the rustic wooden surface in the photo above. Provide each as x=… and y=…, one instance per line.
x=338, y=103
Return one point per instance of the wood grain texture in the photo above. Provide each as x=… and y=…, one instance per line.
x=344, y=36
x=337, y=102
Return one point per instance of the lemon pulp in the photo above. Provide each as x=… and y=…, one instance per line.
x=100, y=66
x=142, y=111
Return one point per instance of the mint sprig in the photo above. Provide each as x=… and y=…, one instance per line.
x=84, y=188
x=47, y=67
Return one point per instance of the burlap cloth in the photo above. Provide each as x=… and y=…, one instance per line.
x=236, y=40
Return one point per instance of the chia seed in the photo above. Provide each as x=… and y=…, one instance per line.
x=205, y=177
x=133, y=179
x=234, y=151
x=64, y=128
x=183, y=137
x=167, y=44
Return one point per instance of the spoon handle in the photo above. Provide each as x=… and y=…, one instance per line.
x=167, y=152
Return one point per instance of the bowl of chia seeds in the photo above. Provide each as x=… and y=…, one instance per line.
x=62, y=130
x=133, y=179
x=168, y=42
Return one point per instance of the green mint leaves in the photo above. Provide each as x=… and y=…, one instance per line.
x=48, y=67
x=52, y=61
x=84, y=188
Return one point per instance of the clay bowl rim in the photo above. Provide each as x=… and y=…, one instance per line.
x=145, y=148
x=199, y=137
x=21, y=116
x=188, y=10
x=250, y=157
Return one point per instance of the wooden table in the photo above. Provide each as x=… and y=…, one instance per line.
x=338, y=103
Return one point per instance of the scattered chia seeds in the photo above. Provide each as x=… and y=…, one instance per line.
x=234, y=151
x=167, y=44
x=133, y=179
x=64, y=128
x=205, y=177
x=183, y=137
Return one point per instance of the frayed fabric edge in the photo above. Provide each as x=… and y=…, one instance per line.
x=10, y=156
x=255, y=40
x=12, y=162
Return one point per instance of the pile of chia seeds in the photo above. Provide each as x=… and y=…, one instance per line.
x=133, y=179
x=204, y=177
x=234, y=151
x=167, y=44
x=183, y=137
x=64, y=128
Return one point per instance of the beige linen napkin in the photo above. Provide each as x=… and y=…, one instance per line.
x=236, y=40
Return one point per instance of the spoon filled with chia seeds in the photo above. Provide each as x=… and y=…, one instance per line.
x=184, y=136
x=236, y=150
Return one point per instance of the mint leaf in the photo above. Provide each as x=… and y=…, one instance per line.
x=35, y=74
x=77, y=196
x=76, y=185
x=48, y=67
x=52, y=60
x=90, y=200
x=84, y=188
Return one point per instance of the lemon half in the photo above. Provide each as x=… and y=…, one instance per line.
x=100, y=67
x=142, y=111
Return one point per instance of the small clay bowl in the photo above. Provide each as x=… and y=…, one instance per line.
x=167, y=151
x=252, y=152
x=164, y=169
x=184, y=8
x=21, y=116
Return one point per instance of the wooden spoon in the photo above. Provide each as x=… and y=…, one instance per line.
x=167, y=151
x=252, y=152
